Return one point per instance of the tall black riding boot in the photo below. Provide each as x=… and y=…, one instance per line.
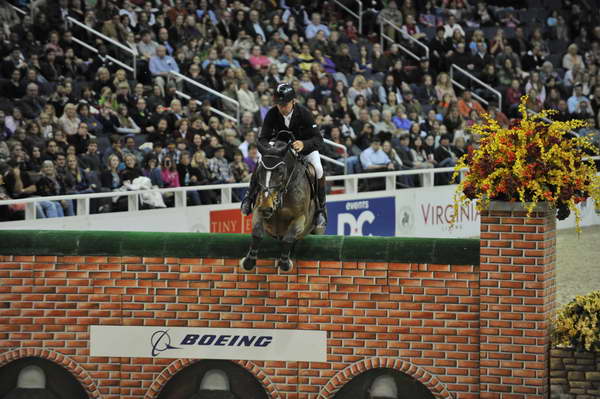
x=321, y=214
x=248, y=201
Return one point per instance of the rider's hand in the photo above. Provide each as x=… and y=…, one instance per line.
x=298, y=145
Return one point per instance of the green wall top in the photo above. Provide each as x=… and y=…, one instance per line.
x=204, y=245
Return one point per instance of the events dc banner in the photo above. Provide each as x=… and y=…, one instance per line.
x=364, y=217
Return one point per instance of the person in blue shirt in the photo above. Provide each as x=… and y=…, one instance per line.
x=576, y=98
x=315, y=26
x=374, y=159
x=161, y=63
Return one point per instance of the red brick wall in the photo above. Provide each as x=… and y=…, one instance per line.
x=421, y=319
x=517, y=276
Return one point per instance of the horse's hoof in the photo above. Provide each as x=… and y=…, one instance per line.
x=247, y=264
x=285, y=265
x=319, y=230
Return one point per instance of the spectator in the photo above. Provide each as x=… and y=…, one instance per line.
x=466, y=104
x=451, y=26
x=572, y=58
x=252, y=158
x=161, y=64
x=576, y=99
x=444, y=157
x=392, y=14
x=49, y=185
x=69, y=121
x=220, y=167
x=315, y=26
x=374, y=159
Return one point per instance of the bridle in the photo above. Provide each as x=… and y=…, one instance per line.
x=280, y=190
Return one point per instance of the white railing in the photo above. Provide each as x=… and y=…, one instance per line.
x=132, y=68
x=334, y=161
x=355, y=15
x=213, y=109
x=476, y=80
x=383, y=35
x=350, y=184
x=83, y=200
x=111, y=58
x=17, y=9
x=211, y=91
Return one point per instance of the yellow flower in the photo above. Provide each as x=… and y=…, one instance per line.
x=529, y=162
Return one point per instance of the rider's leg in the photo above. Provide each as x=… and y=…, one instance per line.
x=321, y=215
x=250, y=195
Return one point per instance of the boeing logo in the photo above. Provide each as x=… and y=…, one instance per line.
x=160, y=341
x=227, y=340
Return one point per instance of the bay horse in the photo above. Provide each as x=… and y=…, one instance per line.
x=285, y=205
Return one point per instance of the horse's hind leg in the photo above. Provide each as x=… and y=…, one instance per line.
x=284, y=263
x=248, y=262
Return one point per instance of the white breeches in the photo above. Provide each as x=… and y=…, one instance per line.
x=315, y=160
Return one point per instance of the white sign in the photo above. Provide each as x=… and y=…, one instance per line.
x=208, y=343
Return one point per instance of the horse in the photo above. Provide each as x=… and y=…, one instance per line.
x=284, y=207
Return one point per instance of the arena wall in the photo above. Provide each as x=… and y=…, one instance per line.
x=413, y=305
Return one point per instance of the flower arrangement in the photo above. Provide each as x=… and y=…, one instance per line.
x=577, y=324
x=530, y=162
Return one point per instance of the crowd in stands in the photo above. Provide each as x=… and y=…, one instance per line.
x=74, y=120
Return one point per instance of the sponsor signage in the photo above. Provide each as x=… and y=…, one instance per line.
x=364, y=217
x=230, y=221
x=208, y=343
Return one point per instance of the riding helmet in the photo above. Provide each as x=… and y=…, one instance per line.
x=284, y=93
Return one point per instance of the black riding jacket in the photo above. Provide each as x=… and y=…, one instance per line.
x=302, y=125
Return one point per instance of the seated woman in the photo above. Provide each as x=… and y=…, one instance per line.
x=50, y=185
x=131, y=171
x=110, y=180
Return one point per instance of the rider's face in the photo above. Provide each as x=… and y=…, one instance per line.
x=285, y=108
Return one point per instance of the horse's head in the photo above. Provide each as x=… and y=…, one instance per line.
x=273, y=177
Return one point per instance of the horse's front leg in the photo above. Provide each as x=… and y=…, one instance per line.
x=284, y=263
x=248, y=262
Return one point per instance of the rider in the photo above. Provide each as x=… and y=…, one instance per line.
x=294, y=117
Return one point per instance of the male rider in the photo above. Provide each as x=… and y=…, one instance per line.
x=287, y=114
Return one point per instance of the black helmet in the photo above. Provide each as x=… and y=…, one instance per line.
x=284, y=93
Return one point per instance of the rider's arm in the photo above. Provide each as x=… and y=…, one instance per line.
x=266, y=131
x=315, y=140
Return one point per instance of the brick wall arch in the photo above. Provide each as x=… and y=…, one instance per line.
x=80, y=374
x=344, y=376
x=179, y=364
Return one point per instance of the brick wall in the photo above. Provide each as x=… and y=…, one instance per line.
x=517, y=277
x=421, y=318
x=574, y=375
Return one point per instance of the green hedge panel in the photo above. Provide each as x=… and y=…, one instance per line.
x=204, y=245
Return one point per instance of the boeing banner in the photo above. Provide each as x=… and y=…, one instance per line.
x=364, y=217
x=208, y=343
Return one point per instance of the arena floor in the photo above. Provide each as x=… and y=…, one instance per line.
x=578, y=263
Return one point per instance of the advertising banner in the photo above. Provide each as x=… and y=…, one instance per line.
x=364, y=217
x=209, y=343
x=230, y=221
x=427, y=212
